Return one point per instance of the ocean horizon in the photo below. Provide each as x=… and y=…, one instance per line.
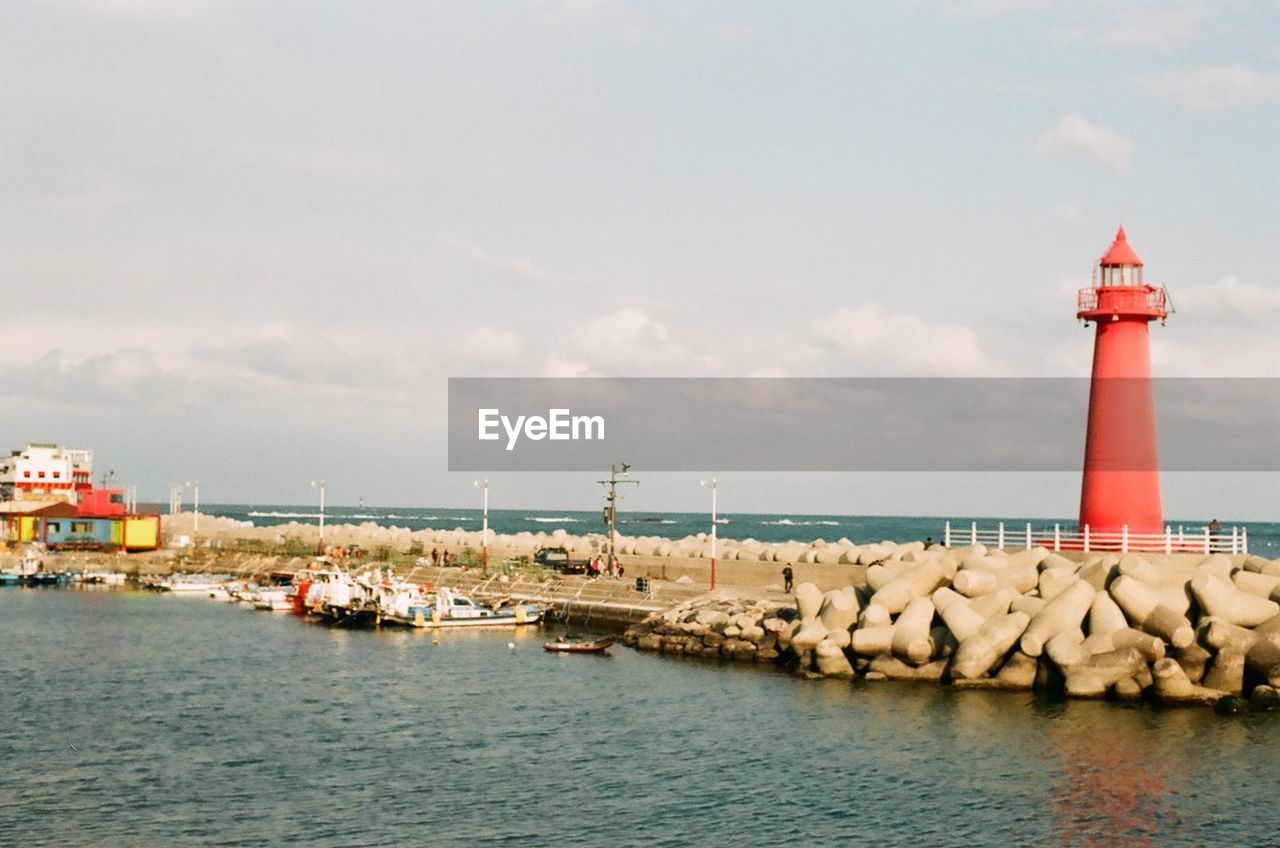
x=764, y=527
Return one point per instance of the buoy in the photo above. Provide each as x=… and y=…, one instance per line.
x=511, y=645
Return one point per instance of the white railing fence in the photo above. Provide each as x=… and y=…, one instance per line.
x=1181, y=540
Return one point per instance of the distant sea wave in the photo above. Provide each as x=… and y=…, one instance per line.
x=787, y=522
x=559, y=520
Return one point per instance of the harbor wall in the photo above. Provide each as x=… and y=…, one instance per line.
x=1175, y=630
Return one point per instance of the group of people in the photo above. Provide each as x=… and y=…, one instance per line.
x=597, y=566
x=439, y=557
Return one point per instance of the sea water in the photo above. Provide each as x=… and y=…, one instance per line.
x=138, y=719
x=1264, y=537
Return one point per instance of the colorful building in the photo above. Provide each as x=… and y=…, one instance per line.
x=47, y=497
x=61, y=526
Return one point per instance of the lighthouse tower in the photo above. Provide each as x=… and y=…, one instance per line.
x=1121, y=486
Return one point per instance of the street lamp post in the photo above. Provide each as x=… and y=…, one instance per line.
x=319, y=484
x=711, y=484
x=483, y=485
x=195, y=501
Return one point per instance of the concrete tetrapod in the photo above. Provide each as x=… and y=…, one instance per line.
x=1030, y=604
x=973, y=582
x=872, y=641
x=808, y=636
x=1105, y=616
x=1055, y=560
x=911, y=641
x=1152, y=647
x=1173, y=687
x=989, y=606
x=1093, y=677
x=1066, y=650
x=1194, y=660
x=1261, y=646
x=1144, y=607
x=893, y=668
x=808, y=601
x=831, y=661
x=1262, y=585
x=1221, y=598
x=983, y=650
x=1132, y=565
x=841, y=638
x=874, y=615
x=839, y=609
x=1055, y=581
x=915, y=582
x=1018, y=672
x=1066, y=611
x=1219, y=565
x=957, y=614
x=1226, y=672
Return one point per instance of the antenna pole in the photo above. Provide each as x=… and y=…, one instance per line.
x=611, y=511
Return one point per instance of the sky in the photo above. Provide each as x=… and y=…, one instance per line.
x=248, y=243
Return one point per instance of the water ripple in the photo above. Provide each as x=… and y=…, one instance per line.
x=142, y=720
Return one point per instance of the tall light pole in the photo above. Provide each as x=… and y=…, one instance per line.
x=319, y=484
x=711, y=484
x=483, y=485
x=611, y=511
x=195, y=500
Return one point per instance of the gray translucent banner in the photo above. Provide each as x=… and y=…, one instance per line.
x=819, y=424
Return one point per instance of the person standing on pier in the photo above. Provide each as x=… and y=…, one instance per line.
x=787, y=576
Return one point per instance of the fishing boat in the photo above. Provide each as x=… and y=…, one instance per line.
x=189, y=584
x=578, y=646
x=109, y=578
x=272, y=599
x=447, y=609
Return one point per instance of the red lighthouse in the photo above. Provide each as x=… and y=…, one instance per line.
x=1121, y=487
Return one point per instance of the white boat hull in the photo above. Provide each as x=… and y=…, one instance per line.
x=484, y=621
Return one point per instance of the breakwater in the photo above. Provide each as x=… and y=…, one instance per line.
x=1172, y=629
x=745, y=563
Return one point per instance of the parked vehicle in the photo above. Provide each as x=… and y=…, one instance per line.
x=560, y=560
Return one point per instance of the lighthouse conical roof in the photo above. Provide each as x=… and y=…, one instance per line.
x=1120, y=253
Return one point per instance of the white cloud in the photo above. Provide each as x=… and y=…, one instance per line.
x=1074, y=134
x=875, y=342
x=557, y=365
x=1069, y=213
x=1228, y=298
x=628, y=342
x=1159, y=28
x=490, y=344
x=1219, y=87
x=506, y=264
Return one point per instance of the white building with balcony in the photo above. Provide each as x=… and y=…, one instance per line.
x=46, y=472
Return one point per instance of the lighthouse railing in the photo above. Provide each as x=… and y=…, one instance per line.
x=1056, y=537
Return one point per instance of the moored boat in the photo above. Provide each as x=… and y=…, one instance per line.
x=275, y=599
x=578, y=646
x=447, y=609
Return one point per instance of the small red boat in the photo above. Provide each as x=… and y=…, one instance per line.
x=578, y=646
